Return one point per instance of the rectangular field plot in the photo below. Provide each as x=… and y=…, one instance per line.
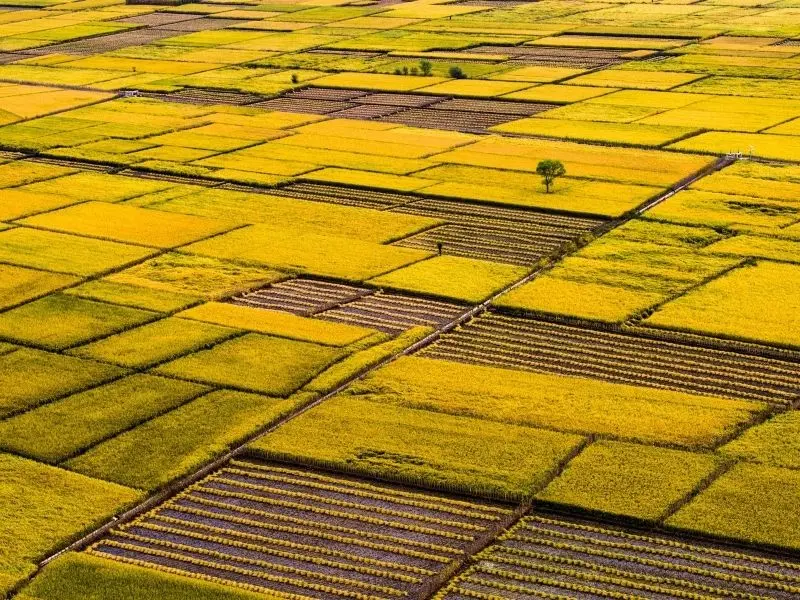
x=358, y=306
x=564, y=403
x=548, y=557
x=530, y=345
x=283, y=530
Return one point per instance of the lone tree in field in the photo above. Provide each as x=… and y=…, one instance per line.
x=549, y=170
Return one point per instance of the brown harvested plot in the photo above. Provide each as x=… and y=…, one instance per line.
x=500, y=107
x=303, y=297
x=394, y=313
x=295, y=531
x=509, y=235
x=557, y=558
x=335, y=194
x=539, y=346
x=557, y=57
x=305, y=106
x=450, y=120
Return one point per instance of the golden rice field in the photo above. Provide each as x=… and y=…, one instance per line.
x=399, y=299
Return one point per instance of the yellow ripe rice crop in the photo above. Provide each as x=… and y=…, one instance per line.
x=634, y=134
x=18, y=284
x=555, y=402
x=752, y=503
x=536, y=74
x=733, y=306
x=277, y=323
x=760, y=247
x=401, y=444
x=66, y=253
x=550, y=294
x=312, y=217
x=629, y=480
x=725, y=210
x=297, y=251
x=452, y=277
x=199, y=276
x=559, y=94
x=779, y=147
x=129, y=224
x=368, y=179
x=640, y=80
x=153, y=343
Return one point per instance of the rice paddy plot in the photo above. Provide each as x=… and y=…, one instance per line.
x=285, y=530
x=546, y=556
x=394, y=313
x=528, y=345
x=589, y=58
x=303, y=297
x=489, y=232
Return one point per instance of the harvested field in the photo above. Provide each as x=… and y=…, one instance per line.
x=450, y=120
x=294, y=531
x=366, y=111
x=305, y=106
x=108, y=43
x=416, y=110
x=391, y=313
x=500, y=107
x=545, y=557
x=201, y=24
x=528, y=345
x=333, y=94
x=304, y=297
x=343, y=195
x=589, y=58
x=394, y=313
x=508, y=235
x=210, y=97
x=406, y=100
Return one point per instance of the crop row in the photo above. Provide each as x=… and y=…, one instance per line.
x=631, y=555
x=555, y=348
x=352, y=484
x=619, y=343
x=662, y=374
x=672, y=549
x=342, y=195
x=305, y=528
x=500, y=216
x=493, y=106
x=549, y=563
x=562, y=365
x=264, y=490
x=300, y=105
x=294, y=579
x=716, y=343
x=303, y=296
x=308, y=522
x=449, y=120
x=479, y=245
x=263, y=542
x=368, y=494
x=324, y=512
x=591, y=531
x=227, y=550
x=557, y=558
x=291, y=531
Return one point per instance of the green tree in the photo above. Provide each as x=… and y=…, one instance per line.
x=549, y=170
x=426, y=67
x=457, y=73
